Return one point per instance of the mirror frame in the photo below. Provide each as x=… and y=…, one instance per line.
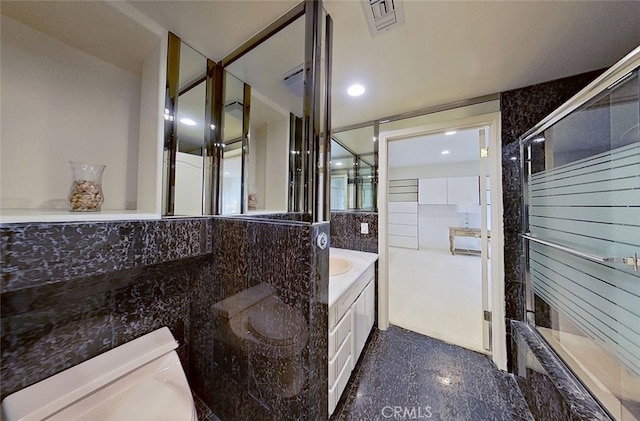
x=211, y=142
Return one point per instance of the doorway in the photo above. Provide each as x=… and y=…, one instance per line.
x=434, y=285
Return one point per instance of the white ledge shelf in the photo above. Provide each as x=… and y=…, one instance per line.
x=14, y=216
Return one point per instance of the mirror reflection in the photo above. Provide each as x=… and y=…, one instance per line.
x=190, y=132
x=353, y=169
x=233, y=117
x=277, y=88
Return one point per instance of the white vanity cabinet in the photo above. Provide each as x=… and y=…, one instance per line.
x=362, y=315
x=350, y=320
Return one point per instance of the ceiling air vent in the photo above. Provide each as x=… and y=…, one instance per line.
x=234, y=109
x=383, y=15
x=294, y=80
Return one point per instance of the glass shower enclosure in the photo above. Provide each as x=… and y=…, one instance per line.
x=581, y=171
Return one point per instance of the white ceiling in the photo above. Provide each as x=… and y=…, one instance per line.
x=94, y=27
x=463, y=146
x=446, y=50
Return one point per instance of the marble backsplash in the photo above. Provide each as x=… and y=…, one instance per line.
x=345, y=230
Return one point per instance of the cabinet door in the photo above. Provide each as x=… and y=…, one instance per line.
x=463, y=190
x=362, y=313
x=432, y=191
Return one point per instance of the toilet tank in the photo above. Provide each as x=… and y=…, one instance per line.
x=141, y=368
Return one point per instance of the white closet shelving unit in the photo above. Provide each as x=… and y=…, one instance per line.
x=403, y=213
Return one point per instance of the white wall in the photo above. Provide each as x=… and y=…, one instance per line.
x=458, y=169
x=150, y=147
x=188, y=200
x=277, y=165
x=257, y=164
x=433, y=227
x=60, y=104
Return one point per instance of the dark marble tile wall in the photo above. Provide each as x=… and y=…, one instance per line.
x=521, y=109
x=551, y=391
x=345, y=231
x=259, y=322
x=72, y=291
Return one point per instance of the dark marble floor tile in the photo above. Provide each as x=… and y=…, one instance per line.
x=404, y=375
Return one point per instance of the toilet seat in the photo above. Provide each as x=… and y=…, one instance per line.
x=154, y=383
x=271, y=324
x=283, y=330
x=142, y=379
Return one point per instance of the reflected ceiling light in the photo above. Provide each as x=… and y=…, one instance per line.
x=450, y=132
x=444, y=380
x=355, y=90
x=212, y=126
x=445, y=152
x=539, y=139
x=513, y=158
x=187, y=121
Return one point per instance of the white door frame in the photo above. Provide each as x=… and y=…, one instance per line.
x=492, y=120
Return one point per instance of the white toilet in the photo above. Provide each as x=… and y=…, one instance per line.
x=140, y=380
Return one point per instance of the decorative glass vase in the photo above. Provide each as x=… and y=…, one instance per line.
x=86, y=187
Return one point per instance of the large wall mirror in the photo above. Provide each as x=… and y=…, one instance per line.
x=248, y=135
x=190, y=114
x=274, y=72
x=354, y=169
x=232, y=144
x=188, y=128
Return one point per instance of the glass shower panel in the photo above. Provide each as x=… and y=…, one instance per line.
x=583, y=194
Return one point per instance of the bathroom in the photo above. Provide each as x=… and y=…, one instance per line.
x=77, y=285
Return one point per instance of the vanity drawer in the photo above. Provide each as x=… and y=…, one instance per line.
x=339, y=334
x=336, y=391
x=343, y=356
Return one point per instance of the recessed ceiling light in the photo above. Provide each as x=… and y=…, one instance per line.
x=355, y=90
x=450, y=132
x=187, y=121
x=338, y=164
x=445, y=152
